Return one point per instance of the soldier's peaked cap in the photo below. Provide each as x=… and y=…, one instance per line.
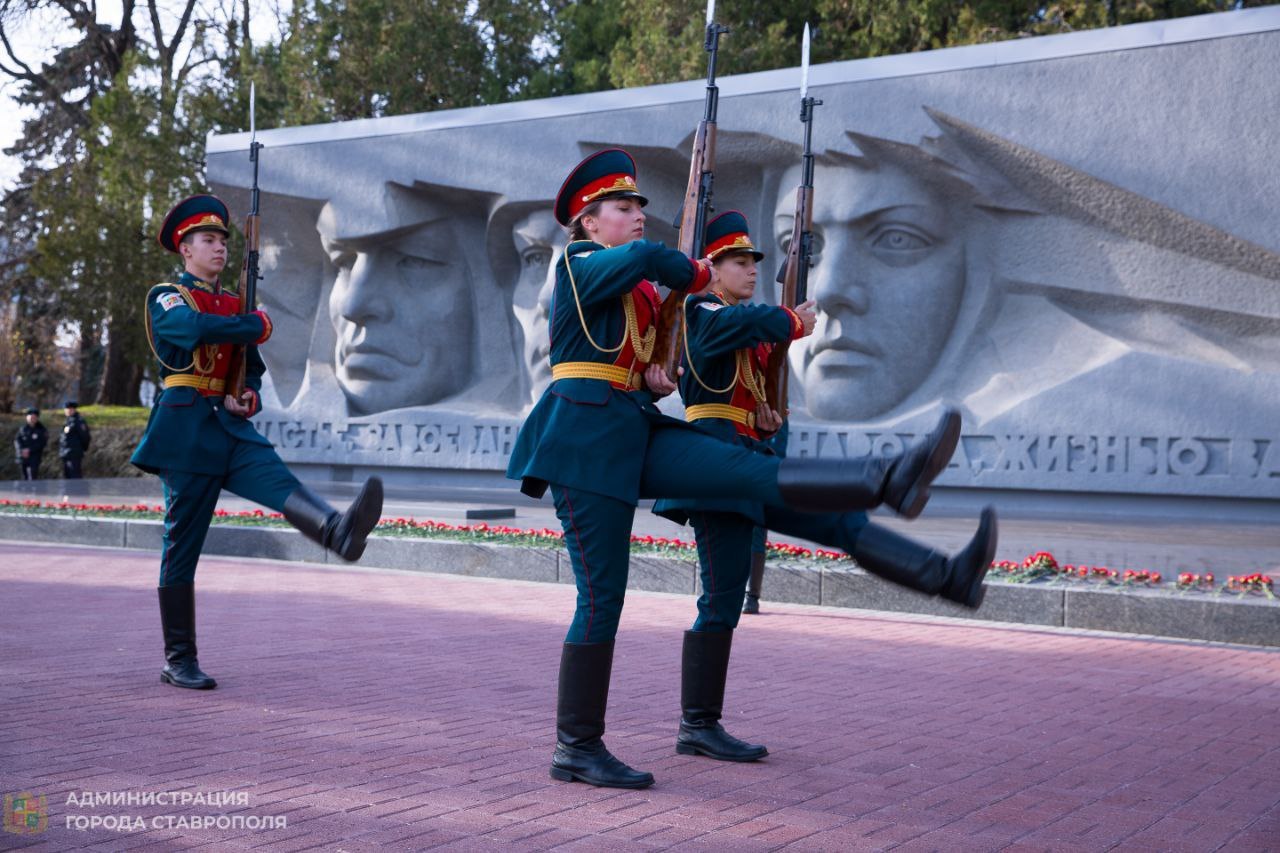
x=727, y=234
x=610, y=173
x=198, y=213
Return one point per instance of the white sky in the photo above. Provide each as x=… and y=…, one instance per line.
x=41, y=36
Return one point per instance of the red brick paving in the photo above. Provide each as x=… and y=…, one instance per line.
x=399, y=711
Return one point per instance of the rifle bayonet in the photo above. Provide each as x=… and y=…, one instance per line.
x=794, y=275
x=696, y=207
x=249, y=274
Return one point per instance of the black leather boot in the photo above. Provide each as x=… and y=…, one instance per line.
x=580, y=753
x=907, y=488
x=704, y=667
x=343, y=533
x=178, y=621
x=907, y=563
x=902, y=482
x=752, y=603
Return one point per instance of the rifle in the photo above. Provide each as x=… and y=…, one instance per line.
x=794, y=274
x=692, y=219
x=249, y=274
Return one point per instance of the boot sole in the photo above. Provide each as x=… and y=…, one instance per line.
x=164, y=679
x=918, y=495
x=370, y=515
x=562, y=775
x=685, y=749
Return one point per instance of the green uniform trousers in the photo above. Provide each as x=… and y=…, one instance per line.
x=726, y=540
x=253, y=472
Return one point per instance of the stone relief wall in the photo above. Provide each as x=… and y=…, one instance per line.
x=1089, y=278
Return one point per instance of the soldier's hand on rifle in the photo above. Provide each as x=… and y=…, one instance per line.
x=658, y=381
x=710, y=267
x=242, y=407
x=808, y=317
x=767, y=420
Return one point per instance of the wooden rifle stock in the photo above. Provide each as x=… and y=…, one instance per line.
x=792, y=278
x=248, y=303
x=693, y=219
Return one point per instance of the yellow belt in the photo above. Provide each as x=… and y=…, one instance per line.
x=595, y=370
x=720, y=410
x=190, y=380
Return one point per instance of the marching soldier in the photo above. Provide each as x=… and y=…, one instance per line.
x=29, y=444
x=73, y=442
x=727, y=348
x=199, y=439
x=597, y=440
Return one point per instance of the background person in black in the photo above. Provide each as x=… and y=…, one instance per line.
x=29, y=445
x=73, y=442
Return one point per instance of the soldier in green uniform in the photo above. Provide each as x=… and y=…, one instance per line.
x=728, y=342
x=597, y=440
x=199, y=439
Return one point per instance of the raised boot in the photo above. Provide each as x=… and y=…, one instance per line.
x=580, y=754
x=902, y=482
x=908, y=563
x=704, y=667
x=343, y=533
x=752, y=602
x=178, y=622
x=906, y=490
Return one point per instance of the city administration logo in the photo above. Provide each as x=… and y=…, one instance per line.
x=25, y=813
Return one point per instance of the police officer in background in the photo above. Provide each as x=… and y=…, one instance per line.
x=199, y=439
x=73, y=442
x=29, y=445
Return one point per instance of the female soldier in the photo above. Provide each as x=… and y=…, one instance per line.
x=598, y=441
x=727, y=347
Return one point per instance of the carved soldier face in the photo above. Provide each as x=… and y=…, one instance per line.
x=401, y=306
x=539, y=240
x=888, y=276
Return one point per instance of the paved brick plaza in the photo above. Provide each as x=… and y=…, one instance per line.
x=398, y=711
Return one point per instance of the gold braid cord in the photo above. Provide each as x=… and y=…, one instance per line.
x=741, y=367
x=641, y=344
x=752, y=381
x=209, y=351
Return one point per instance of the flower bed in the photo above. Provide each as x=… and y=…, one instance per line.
x=1044, y=566
x=1041, y=566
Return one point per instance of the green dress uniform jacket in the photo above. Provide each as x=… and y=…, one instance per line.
x=188, y=431
x=588, y=434
x=716, y=331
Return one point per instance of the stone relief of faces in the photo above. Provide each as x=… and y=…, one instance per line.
x=402, y=309
x=888, y=277
x=538, y=240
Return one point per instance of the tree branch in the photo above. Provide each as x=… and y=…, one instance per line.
x=182, y=25
x=187, y=68
x=155, y=28
x=39, y=81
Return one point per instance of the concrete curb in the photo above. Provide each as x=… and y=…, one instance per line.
x=1194, y=616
